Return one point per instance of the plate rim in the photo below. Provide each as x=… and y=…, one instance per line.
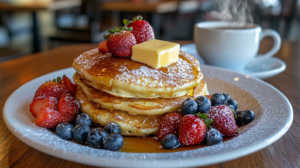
x=128, y=163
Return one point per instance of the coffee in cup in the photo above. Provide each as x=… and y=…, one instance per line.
x=231, y=45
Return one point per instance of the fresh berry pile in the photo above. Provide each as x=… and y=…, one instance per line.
x=120, y=40
x=207, y=119
x=54, y=102
x=96, y=137
x=55, y=107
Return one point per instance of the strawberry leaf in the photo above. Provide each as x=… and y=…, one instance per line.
x=126, y=22
x=206, y=120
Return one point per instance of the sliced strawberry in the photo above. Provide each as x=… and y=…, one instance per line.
x=68, y=106
x=69, y=85
x=102, y=47
x=38, y=103
x=168, y=124
x=50, y=89
x=48, y=118
x=223, y=120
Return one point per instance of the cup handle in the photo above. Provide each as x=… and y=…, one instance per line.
x=276, y=47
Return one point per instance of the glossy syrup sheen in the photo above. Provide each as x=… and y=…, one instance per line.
x=150, y=145
x=106, y=68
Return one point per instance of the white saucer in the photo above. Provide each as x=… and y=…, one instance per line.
x=264, y=69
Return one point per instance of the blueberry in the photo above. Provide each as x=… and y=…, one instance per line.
x=203, y=104
x=113, y=142
x=84, y=119
x=80, y=133
x=233, y=103
x=249, y=116
x=170, y=141
x=227, y=98
x=95, y=137
x=213, y=137
x=244, y=117
x=232, y=108
x=64, y=130
x=112, y=128
x=189, y=106
x=217, y=99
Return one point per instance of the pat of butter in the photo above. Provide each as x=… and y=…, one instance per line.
x=156, y=53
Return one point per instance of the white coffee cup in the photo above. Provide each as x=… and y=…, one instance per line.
x=222, y=44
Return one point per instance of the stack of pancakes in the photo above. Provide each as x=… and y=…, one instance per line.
x=132, y=94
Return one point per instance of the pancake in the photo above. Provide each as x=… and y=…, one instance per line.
x=131, y=125
x=123, y=77
x=135, y=106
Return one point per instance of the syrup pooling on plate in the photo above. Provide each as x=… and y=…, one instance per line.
x=150, y=145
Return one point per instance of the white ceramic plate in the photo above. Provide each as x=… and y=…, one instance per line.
x=263, y=69
x=272, y=109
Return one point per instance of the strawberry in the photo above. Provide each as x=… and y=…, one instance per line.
x=48, y=118
x=120, y=41
x=208, y=96
x=50, y=89
x=168, y=124
x=223, y=120
x=69, y=85
x=38, y=103
x=68, y=106
x=102, y=47
x=141, y=29
x=191, y=130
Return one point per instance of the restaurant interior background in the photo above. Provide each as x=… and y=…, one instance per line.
x=88, y=20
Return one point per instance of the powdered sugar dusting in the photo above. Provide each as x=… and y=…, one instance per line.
x=182, y=72
x=273, y=118
x=89, y=58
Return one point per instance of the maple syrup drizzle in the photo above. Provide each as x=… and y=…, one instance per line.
x=150, y=145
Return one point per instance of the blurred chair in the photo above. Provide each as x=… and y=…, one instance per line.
x=180, y=26
x=6, y=51
x=84, y=24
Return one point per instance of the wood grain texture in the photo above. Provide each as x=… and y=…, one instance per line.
x=14, y=153
x=161, y=6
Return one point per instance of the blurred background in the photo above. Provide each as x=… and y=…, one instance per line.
x=30, y=26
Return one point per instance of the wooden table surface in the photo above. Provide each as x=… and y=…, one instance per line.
x=14, y=153
x=160, y=6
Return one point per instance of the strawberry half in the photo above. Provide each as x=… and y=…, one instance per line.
x=48, y=118
x=141, y=29
x=223, y=120
x=102, y=47
x=191, y=130
x=69, y=107
x=169, y=125
x=38, y=103
x=120, y=41
x=50, y=89
x=69, y=85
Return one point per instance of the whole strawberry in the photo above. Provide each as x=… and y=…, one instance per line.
x=191, y=130
x=223, y=120
x=120, y=41
x=141, y=29
x=50, y=89
x=169, y=125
